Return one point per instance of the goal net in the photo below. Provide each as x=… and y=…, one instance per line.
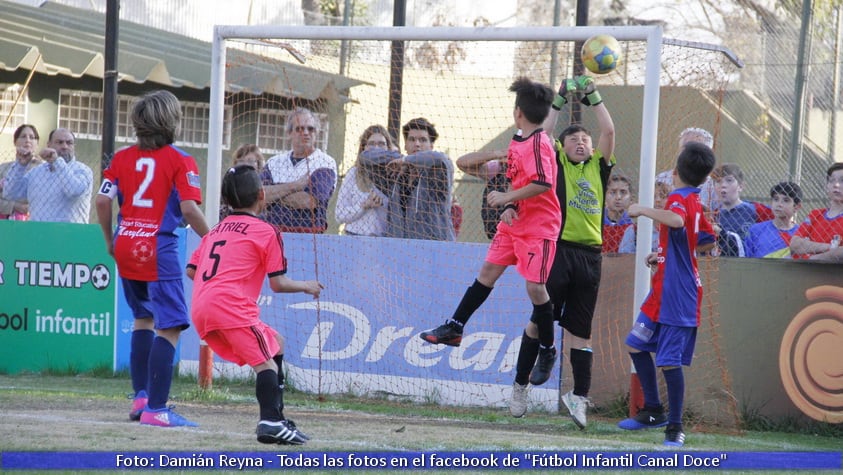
x=361, y=336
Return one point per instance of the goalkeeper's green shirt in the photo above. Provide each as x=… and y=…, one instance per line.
x=581, y=188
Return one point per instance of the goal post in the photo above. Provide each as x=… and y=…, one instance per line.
x=458, y=78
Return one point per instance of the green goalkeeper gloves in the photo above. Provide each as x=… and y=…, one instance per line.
x=568, y=86
x=586, y=86
x=583, y=85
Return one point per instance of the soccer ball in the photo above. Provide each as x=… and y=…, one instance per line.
x=100, y=276
x=601, y=54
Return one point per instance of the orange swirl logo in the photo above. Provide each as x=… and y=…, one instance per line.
x=811, y=356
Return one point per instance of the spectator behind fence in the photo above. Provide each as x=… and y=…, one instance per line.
x=246, y=154
x=818, y=237
x=490, y=166
x=708, y=196
x=26, y=141
x=615, y=218
x=361, y=206
x=628, y=242
x=57, y=190
x=735, y=216
x=771, y=238
x=418, y=185
x=299, y=183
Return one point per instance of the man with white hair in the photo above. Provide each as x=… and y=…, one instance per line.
x=57, y=190
x=695, y=134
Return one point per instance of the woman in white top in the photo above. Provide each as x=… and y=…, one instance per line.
x=360, y=205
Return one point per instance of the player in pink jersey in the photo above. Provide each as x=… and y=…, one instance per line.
x=526, y=236
x=156, y=186
x=228, y=269
x=818, y=237
x=670, y=315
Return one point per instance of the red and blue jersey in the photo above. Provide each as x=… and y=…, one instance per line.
x=819, y=227
x=675, y=296
x=151, y=184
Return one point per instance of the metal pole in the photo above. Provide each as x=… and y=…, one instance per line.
x=582, y=20
x=344, y=43
x=109, y=82
x=396, y=72
x=554, y=46
x=803, y=68
x=835, y=86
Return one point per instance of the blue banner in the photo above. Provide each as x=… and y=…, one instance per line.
x=344, y=461
x=379, y=294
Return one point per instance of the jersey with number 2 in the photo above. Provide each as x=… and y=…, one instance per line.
x=151, y=184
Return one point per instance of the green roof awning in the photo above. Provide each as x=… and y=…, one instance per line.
x=55, y=39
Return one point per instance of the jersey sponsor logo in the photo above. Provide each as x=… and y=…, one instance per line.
x=193, y=179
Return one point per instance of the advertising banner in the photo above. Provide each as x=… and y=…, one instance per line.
x=57, y=297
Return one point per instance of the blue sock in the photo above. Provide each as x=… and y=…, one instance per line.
x=139, y=358
x=675, y=380
x=160, y=372
x=646, y=370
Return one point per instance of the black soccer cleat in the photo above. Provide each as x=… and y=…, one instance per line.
x=279, y=432
x=544, y=365
x=449, y=334
x=647, y=418
x=673, y=436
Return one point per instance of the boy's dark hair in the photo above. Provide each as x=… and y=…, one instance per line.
x=833, y=168
x=789, y=189
x=532, y=98
x=241, y=186
x=571, y=130
x=156, y=117
x=420, y=123
x=694, y=163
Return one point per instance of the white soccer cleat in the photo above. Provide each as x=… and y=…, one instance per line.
x=518, y=400
x=577, y=406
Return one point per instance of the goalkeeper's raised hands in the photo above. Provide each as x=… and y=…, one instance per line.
x=568, y=86
x=585, y=85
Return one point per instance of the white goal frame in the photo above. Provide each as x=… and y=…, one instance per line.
x=652, y=35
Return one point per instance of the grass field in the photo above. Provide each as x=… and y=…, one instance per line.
x=89, y=413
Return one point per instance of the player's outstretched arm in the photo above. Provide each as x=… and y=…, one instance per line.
x=662, y=216
x=591, y=97
x=194, y=217
x=474, y=163
x=566, y=88
x=283, y=284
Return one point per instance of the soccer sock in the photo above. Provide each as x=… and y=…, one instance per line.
x=160, y=372
x=527, y=355
x=646, y=370
x=675, y=380
x=471, y=301
x=139, y=358
x=268, y=394
x=543, y=318
x=279, y=360
x=581, y=370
